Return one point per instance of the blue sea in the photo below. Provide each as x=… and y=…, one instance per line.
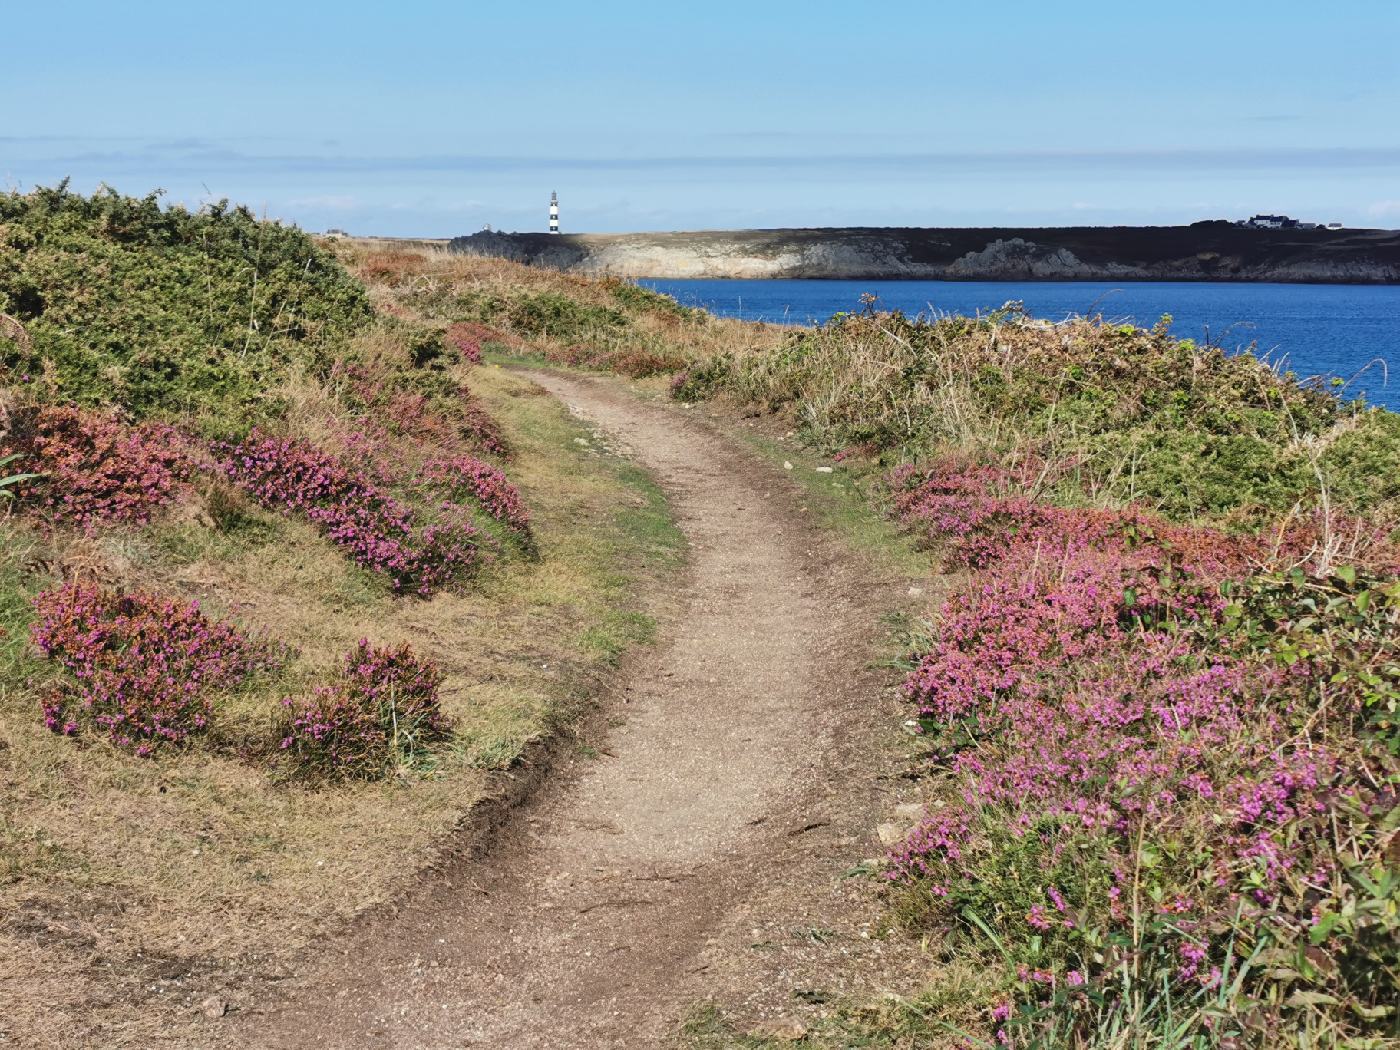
x=1349, y=331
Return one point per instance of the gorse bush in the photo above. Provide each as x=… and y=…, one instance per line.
x=1164, y=772
x=377, y=530
x=381, y=711
x=162, y=310
x=143, y=667
x=92, y=468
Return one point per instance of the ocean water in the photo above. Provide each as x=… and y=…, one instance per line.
x=1348, y=331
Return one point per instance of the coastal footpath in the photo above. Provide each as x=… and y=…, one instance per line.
x=1204, y=251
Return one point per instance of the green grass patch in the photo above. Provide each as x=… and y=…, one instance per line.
x=842, y=502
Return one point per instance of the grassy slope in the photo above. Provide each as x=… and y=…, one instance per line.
x=136, y=857
x=119, y=874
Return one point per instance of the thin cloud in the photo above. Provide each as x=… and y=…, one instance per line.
x=203, y=157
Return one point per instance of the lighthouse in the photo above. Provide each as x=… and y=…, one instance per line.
x=553, y=213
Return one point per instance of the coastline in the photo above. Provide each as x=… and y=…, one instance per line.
x=1212, y=251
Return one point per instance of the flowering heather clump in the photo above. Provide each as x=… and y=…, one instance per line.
x=96, y=469
x=381, y=710
x=466, y=477
x=468, y=338
x=421, y=405
x=484, y=431
x=1158, y=761
x=143, y=665
x=377, y=530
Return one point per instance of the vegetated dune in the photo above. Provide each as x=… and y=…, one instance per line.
x=1205, y=251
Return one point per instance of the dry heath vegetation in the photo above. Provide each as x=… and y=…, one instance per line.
x=1156, y=714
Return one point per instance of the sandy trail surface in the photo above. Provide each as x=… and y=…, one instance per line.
x=593, y=922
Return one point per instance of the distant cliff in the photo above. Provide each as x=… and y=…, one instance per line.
x=1205, y=251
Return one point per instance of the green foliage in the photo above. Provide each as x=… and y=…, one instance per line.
x=1344, y=628
x=703, y=380
x=1362, y=462
x=555, y=315
x=8, y=483
x=1118, y=413
x=635, y=298
x=162, y=310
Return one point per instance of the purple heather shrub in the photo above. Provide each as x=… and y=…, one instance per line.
x=381, y=709
x=466, y=477
x=1123, y=760
x=96, y=469
x=481, y=428
x=467, y=339
x=378, y=531
x=143, y=666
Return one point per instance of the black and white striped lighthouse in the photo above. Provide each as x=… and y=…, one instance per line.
x=554, y=213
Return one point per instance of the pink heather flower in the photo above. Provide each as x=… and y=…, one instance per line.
x=142, y=665
x=94, y=468
x=377, y=531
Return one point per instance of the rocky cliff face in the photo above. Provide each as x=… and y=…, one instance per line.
x=1204, y=251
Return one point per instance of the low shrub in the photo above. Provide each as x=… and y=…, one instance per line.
x=94, y=469
x=164, y=310
x=560, y=317
x=378, y=531
x=381, y=711
x=1166, y=772
x=420, y=404
x=469, y=339
x=640, y=363
x=632, y=296
x=701, y=380
x=479, y=425
x=1184, y=429
x=468, y=478
x=144, y=667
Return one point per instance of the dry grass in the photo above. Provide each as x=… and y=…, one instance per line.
x=425, y=274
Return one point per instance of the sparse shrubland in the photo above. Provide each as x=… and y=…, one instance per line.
x=1156, y=715
x=511, y=310
x=1117, y=414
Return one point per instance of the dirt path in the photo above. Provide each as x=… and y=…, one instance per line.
x=590, y=926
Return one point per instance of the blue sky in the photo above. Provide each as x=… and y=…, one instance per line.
x=434, y=119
